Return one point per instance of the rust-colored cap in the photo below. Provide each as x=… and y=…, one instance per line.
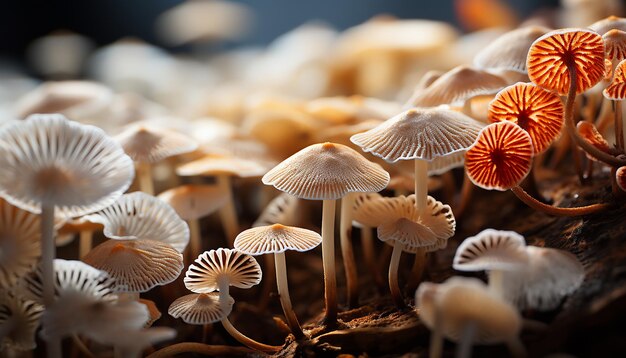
x=193, y=201
x=500, y=158
x=491, y=250
x=617, y=89
x=239, y=269
x=276, y=238
x=537, y=111
x=551, y=54
x=201, y=308
x=589, y=132
x=151, y=144
x=326, y=171
x=615, y=44
x=620, y=177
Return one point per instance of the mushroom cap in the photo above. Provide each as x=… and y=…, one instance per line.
x=590, y=133
x=153, y=311
x=282, y=209
x=326, y=171
x=201, y=308
x=142, y=216
x=20, y=245
x=193, y=201
x=537, y=111
x=419, y=133
x=605, y=25
x=344, y=110
x=137, y=265
x=24, y=315
x=276, y=238
x=491, y=250
x=151, y=144
x=550, y=275
x=216, y=164
x=620, y=177
x=615, y=44
x=458, y=85
x=617, y=89
x=550, y=54
x=509, y=51
x=500, y=158
x=461, y=300
x=362, y=212
x=241, y=270
x=74, y=167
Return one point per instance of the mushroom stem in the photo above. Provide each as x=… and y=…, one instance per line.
x=347, y=252
x=127, y=296
x=436, y=336
x=464, y=349
x=467, y=189
x=207, y=329
x=367, y=241
x=620, y=123
x=283, y=293
x=571, y=126
x=228, y=214
x=269, y=270
x=144, y=176
x=396, y=294
x=48, y=253
x=247, y=341
x=205, y=349
x=82, y=347
x=421, y=184
x=417, y=271
x=328, y=260
x=85, y=242
x=551, y=210
x=195, y=237
x=496, y=282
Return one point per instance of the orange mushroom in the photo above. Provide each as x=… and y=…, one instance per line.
x=616, y=91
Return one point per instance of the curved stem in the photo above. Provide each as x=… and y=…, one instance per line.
x=551, y=210
x=247, y=341
x=464, y=349
x=396, y=294
x=85, y=242
x=195, y=238
x=144, y=175
x=205, y=349
x=283, y=292
x=367, y=242
x=328, y=260
x=571, y=126
x=417, y=271
x=347, y=252
x=421, y=184
x=48, y=253
x=496, y=282
x=228, y=213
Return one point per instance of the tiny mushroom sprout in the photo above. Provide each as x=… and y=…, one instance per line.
x=217, y=270
x=616, y=91
x=141, y=216
x=465, y=311
x=494, y=251
x=147, y=145
x=19, y=319
x=327, y=171
x=65, y=168
x=276, y=239
x=192, y=202
x=501, y=158
x=401, y=225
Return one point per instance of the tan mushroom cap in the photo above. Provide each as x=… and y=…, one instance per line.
x=137, y=265
x=151, y=144
x=550, y=54
x=364, y=213
x=141, y=216
x=193, y=201
x=500, y=158
x=615, y=44
x=78, y=225
x=216, y=164
x=620, y=177
x=458, y=85
x=326, y=171
x=491, y=250
x=24, y=316
x=20, y=244
x=509, y=51
x=241, y=270
x=201, y=308
x=344, y=110
x=77, y=168
x=605, y=25
x=537, y=111
x=276, y=238
x=617, y=89
x=282, y=209
x=420, y=133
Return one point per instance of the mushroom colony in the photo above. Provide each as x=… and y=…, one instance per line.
x=397, y=188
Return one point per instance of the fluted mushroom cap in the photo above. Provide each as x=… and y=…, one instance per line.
x=282, y=209
x=617, y=89
x=23, y=315
x=591, y=134
x=462, y=300
x=491, y=250
x=605, y=25
x=549, y=55
x=509, y=51
x=419, y=133
x=276, y=238
x=201, y=308
x=151, y=144
x=500, y=158
x=74, y=167
x=217, y=164
x=537, y=111
x=142, y=216
x=620, y=177
x=193, y=201
x=615, y=44
x=362, y=213
x=137, y=265
x=326, y=171
x=239, y=269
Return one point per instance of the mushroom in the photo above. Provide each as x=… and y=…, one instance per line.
x=217, y=270
x=605, y=25
x=615, y=45
x=616, y=91
x=64, y=167
x=620, y=178
x=192, y=202
x=19, y=319
x=200, y=308
x=85, y=230
x=367, y=241
x=327, y=171
x=276, y=239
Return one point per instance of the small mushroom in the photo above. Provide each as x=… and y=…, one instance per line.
x=200, y=308
x=616, y=91
x=605, y=25
x=19, y=319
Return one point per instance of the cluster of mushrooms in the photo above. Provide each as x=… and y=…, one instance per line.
x=85, y=161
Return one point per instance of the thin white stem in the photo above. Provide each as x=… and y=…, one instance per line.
x=464, y=348
x=283, y=292
x=328, y=260
x=436, y=335
x=85, y=242
x=367, y=242
x=247, y=341
x=144, y=175
x=417, y=271
x=496, y=282
x=421, y=184
x=228, y=213
x=195, y=238
x=396, y=294
x=223, y=286
x=347, y=252
x=48, y=253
